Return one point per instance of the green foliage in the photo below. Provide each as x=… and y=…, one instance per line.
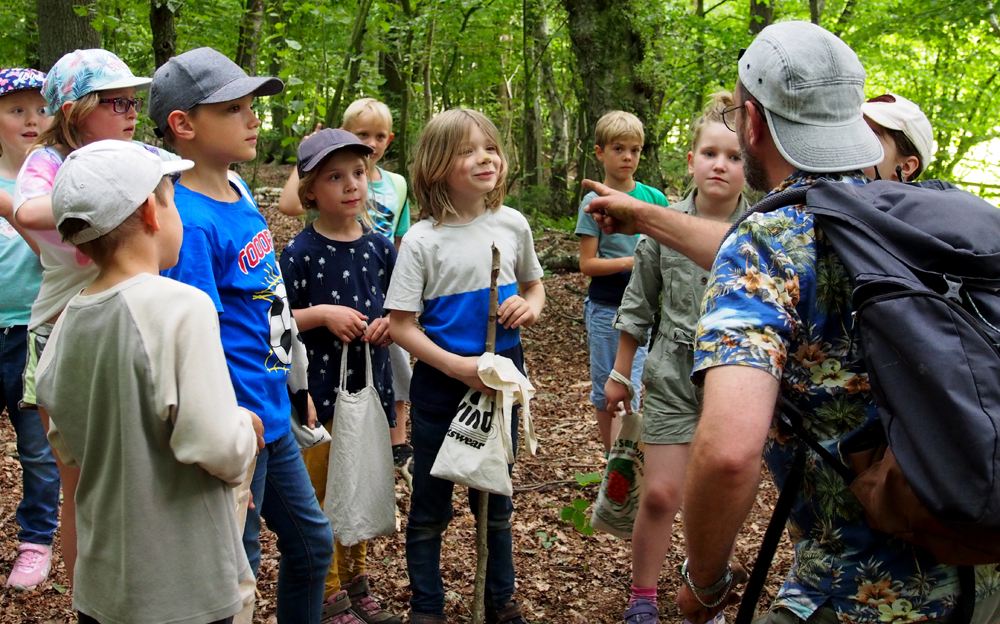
x=422, y=56
x=574, y=512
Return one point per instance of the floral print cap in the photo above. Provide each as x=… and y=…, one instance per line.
x=80, y=72
x=16, y=79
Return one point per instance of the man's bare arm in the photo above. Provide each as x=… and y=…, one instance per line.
x=724, y=471
x=615, y=212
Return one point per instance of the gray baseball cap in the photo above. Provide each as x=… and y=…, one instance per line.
x=811, y=85
x=104, y=182
x=201, y=76
x=314, y=149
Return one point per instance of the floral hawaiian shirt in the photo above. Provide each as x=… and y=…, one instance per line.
x=779, y=300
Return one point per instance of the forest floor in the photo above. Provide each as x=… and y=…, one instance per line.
x=563, y=576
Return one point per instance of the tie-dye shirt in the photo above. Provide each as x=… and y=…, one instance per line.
x=65, y=271
x=779, y=299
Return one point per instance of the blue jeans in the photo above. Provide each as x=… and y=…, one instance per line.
x=284, y=496
x=38, y=512
x=602, y=340
x=430, y=513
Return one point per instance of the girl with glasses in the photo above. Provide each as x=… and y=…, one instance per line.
x=90, y=95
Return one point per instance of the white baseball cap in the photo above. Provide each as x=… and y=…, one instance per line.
x=898, y=113
x=106, y=181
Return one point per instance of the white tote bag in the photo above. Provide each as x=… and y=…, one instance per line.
x=477, y=448
x=361, y=485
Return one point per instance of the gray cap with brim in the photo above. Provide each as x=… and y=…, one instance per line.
x=811, y=85
x=314, y=149
x=202, y=76
x=104, y=182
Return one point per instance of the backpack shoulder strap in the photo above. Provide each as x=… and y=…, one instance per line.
x=772, y=536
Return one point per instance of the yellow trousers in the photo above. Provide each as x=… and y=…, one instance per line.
x=348, y=562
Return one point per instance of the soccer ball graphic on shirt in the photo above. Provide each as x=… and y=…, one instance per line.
x=280, y=322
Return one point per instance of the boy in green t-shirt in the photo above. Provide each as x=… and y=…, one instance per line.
x=607, y=259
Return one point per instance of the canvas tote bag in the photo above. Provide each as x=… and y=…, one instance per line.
x=477, y=449
x=360, y=484
x=618, y=499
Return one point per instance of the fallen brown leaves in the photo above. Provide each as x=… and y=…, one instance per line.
x=563, y=577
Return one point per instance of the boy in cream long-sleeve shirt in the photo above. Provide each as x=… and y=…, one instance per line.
x=138, y=392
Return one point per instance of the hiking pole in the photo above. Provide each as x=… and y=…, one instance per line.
x=482, y=550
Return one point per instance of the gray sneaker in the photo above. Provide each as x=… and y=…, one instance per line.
x=642, y=611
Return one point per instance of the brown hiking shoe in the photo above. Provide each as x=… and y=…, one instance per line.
x=510, y=614
x=364, y=606
x=423, y=618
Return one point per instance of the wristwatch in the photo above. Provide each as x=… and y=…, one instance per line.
x=720, y=587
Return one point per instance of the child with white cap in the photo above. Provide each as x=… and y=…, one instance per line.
x=906, y=136
x=137, y=388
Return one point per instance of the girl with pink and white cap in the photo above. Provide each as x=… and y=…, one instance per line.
x=90, y=95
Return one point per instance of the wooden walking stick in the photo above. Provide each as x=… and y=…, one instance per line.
x=482, y=551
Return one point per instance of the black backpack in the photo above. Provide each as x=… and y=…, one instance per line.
x=924, y=264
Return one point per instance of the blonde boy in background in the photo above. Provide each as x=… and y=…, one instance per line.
x=608, y=260
x=371, y=121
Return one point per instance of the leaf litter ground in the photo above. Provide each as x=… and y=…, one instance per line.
x=562, y=575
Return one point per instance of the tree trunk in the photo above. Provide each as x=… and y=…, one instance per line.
x=64, y=30
x=164, y=29
x=277, y=150
x=761, y=15
x=428, y=60
x=351, y=68
x=395, y=93
x=532, y=17
x=608, y=52
x=815, y=11
x=249, y=37
x=845, y=17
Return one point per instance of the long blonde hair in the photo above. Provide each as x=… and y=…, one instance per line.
x=65, y=129
x=437, y=151
x=306, y=183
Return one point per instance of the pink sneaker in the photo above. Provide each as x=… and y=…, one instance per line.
x=31, y=567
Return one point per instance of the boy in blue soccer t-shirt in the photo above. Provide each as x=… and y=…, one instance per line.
x=200, y=102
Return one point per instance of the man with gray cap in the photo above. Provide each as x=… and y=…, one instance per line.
x=777, y=317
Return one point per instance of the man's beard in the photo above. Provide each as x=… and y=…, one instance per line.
x=753, y=169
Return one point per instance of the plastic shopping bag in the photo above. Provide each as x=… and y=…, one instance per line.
x=618, y=500
x=361, y=485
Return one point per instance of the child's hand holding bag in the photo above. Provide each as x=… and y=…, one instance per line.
x=477, y=449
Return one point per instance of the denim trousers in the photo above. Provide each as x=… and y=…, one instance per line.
x=38, y=511
x=602, y=340
x=284, y=496
x=430, y=513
